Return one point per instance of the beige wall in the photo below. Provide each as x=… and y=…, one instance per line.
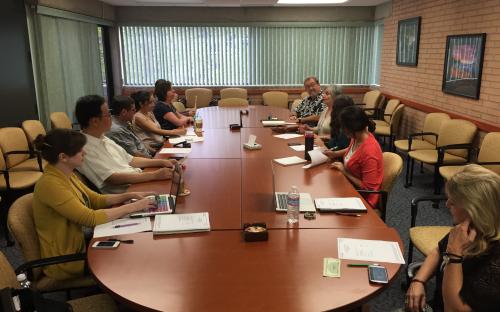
x=422, y=84
x=93, y=8
x=253, y=14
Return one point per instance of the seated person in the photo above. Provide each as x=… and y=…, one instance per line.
x=123, y=111
x=337, y=141
x=145, y=124
x=467, y=260
x=323, y=128
x=62, y=204
x=363, y=164
x=107, y=164
x=311, y=107
x=164, y=111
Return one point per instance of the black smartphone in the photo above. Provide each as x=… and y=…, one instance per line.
x=377, y=274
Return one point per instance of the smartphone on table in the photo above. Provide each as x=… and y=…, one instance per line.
x=105, y=244
x=377, y=274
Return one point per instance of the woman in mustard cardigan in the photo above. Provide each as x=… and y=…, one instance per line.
x=62, y=204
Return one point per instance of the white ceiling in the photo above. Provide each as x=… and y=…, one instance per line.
x=228, y=3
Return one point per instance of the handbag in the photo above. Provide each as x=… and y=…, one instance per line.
x=30, y=300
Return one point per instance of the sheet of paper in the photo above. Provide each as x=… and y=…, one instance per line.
x=287, y=161
x=369, y=250
x=317, y=158
x=340, y=204
x=287, y=136
x=251, y=139
x=190, y=132
x=122, y=227
x=272, y=123
x=179, y=223
x=187, y=138
x=300, y=148
x=175, y=150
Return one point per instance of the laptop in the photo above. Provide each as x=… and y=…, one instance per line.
x=306, y=202
x=165, y=203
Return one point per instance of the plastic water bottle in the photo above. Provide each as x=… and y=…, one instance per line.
x=23, y=280
x=293, y=202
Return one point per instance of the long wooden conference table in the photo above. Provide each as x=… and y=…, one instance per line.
x=217, y=270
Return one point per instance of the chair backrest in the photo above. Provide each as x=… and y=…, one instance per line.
x=201, y=96
x=490, y=150
x=397, y=115
x=33, y=128
x=304, y=94
x=233, y=102
x=432, y=123
x=21, y=223
x=275, y=98
x=456, y=131
x=371, y=99
x=295, y=104
x=13, y=139
x=60, y=120
x=7, y=274
x=2, y=161
x=393, y=165
x=390, y=108
x=228, y=93
x=179, y=107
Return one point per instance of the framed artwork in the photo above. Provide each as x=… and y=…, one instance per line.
x=463, y=65
x=408, y=40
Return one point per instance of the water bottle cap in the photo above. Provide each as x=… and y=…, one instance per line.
x=21, y=277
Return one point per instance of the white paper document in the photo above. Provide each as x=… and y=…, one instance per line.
x=272, y=123
x=122, y=226
x=181, y=223
x=317, y=158
x=340, y=204
x=370, y=250
x=288, y=161
x=175, y=150
x=186, y=138
x=287, y=136
x=190, y=132
x=300, y=148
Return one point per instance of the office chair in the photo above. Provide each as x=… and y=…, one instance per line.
x=275, y=98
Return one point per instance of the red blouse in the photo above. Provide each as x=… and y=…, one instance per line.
x=367, y=164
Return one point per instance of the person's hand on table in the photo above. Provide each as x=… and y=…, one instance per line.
x=180, y=131
x=168, y=163
x=339, y=166
x=143, y=204
x=141, y=195
x=162, y=174
x=415, y=297
x=191, y=113
x=329, y=153
x=293, y=117
x=303, y=128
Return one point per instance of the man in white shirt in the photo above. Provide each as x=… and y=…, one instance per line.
x=106, y=164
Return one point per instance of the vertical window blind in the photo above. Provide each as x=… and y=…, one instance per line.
x=249, y=55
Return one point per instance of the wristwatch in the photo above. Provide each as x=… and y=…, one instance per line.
x=447, y=259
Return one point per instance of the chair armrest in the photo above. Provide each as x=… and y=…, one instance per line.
x=17, y=152
x=412, y=269
x=29, y=266
x=416, y=134
x=370, y=109
x=415, y=202
x=488, y=163
x=442, y=149
x=361, y=104
x=382, y=193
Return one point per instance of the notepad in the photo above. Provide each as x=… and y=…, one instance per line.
x=181, y=223
x=317, y=158
x=288, y=161
x=175, y=150
x=122, y=227
x=287, y=136
x=340, y=204
x=369, y=250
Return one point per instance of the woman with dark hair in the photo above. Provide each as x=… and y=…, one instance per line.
x=338, y=140
x=62, y=204
x=363, y=163
x=146, y=126
x=164, y=111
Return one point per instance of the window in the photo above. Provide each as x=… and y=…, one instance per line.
x=249, y=55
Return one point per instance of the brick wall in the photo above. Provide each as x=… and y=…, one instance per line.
x=422, y=84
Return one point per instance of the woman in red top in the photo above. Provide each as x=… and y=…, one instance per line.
x=363, y=163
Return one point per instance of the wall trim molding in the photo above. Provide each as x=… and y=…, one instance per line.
x=430, y=109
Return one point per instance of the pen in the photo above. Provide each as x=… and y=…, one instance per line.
x=360, y=264
x=124, y=225
x=348, y=214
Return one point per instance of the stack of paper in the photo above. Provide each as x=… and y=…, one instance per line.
x=186, y=138
x=175, y=150
x=181, y=223
x=370, y=250
x=301, y=147
x=273, y=123
x=340, y=204
x=317, y=158
x=122, y=226
x=287, y=136
x=288, y=161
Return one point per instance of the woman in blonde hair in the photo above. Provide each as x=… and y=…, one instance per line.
x=467, y=260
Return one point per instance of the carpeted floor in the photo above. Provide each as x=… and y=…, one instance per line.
x=398, y=216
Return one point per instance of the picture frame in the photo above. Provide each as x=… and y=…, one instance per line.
x=463, y=65
x=408, y=41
